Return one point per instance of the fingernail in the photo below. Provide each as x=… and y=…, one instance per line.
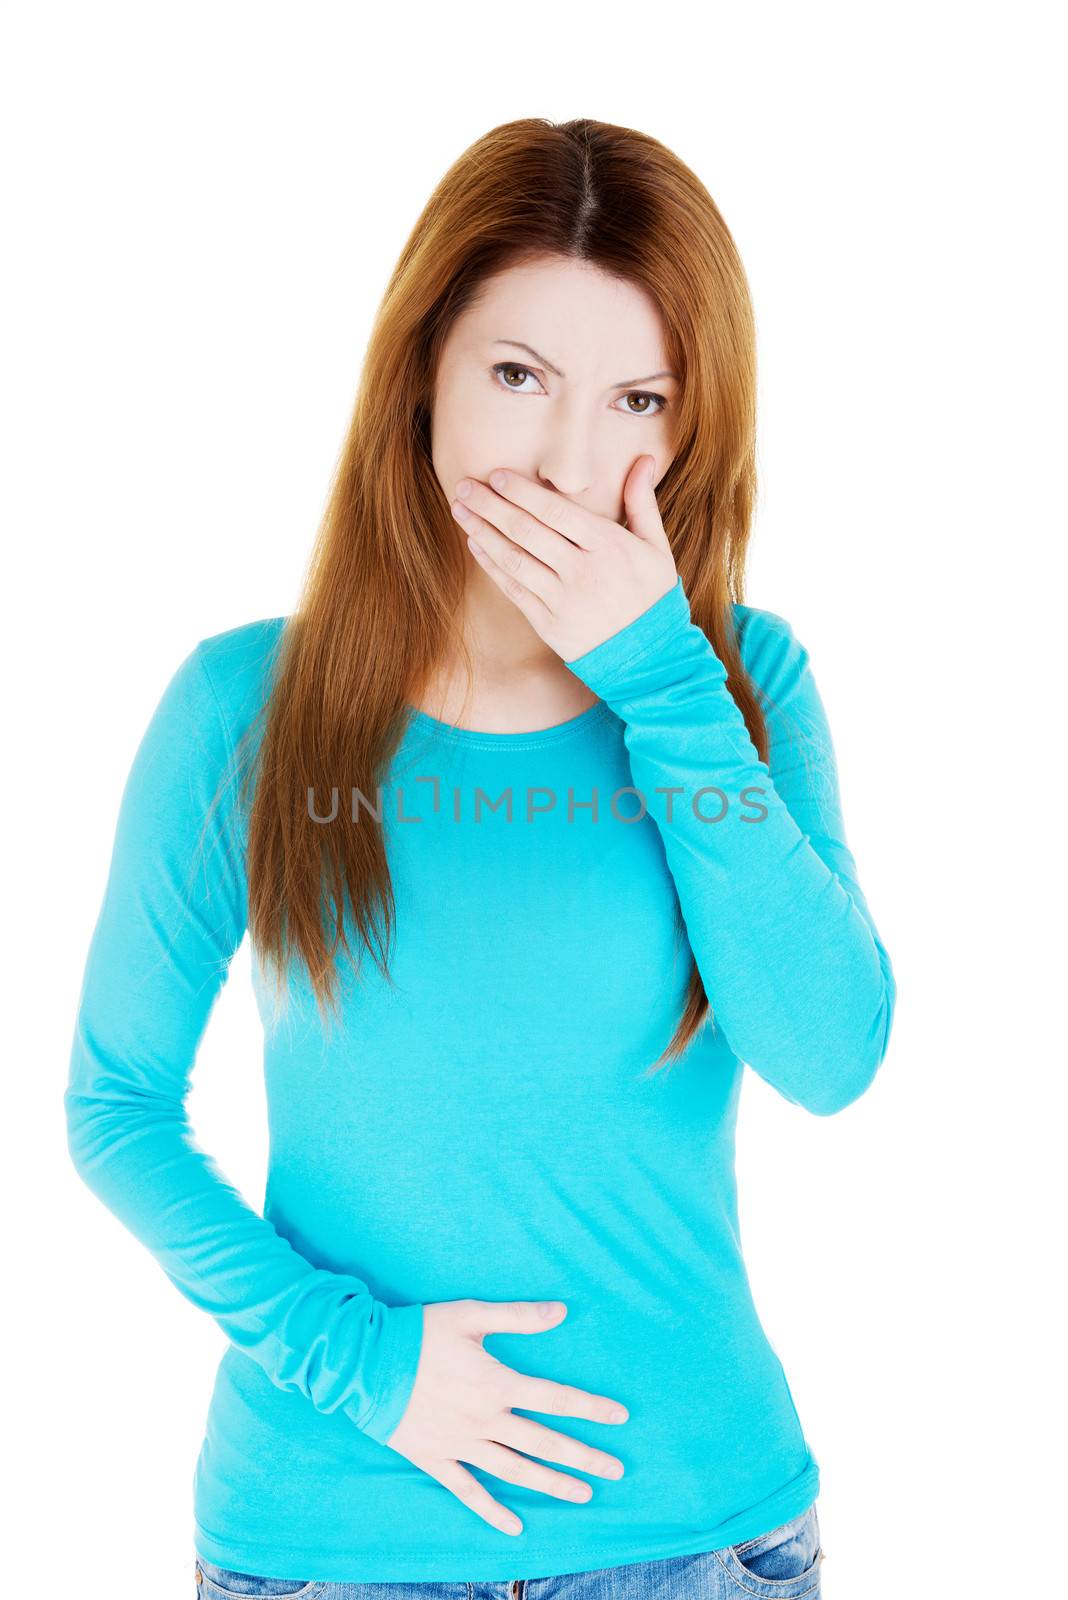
x=463, y=487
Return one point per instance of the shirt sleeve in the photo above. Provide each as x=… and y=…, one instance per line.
x=795, y=972
x=173, y=915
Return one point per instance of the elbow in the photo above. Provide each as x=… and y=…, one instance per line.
x=838, y=1090
x=98, y=1124
x=85, y=1103
x=104, y=1107
x=80, y=1122
x=837, y=1084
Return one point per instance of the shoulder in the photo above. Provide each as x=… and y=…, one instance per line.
x=771, y=652
x=237, y=667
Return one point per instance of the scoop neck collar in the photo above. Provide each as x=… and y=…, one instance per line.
x=555, y=734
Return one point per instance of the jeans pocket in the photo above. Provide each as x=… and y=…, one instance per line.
x=784, y=1562
x=224, y=1583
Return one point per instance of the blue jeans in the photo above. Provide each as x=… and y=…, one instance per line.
x=783, y=1564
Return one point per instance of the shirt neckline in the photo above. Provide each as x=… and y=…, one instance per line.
x=514, y=741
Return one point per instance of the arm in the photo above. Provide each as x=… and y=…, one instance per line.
x=794, y=969
x=174, y=913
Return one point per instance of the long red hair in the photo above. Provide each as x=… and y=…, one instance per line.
x=380, y=601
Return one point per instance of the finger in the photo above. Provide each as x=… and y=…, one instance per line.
x=512, y=1316
x=639, y=498
x=517, y=563
x=466, y=1487
x=565, y=1400
x=523, y=1433
x=514, y=1468
x=537, y=613
x=523, y=529
x=574, y=523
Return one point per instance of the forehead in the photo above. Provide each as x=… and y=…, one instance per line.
x=580, y=317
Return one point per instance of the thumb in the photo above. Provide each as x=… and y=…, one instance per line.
x=516, y=1316
x=639, y=500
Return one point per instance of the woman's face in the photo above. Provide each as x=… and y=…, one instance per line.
x=559, y=372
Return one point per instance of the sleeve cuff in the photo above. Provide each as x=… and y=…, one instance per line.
x=404, y=1331
x=606, y=663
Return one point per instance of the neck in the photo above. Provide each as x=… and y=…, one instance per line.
x=519, y=683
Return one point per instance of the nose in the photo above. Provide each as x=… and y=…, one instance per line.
x=568, y=468
x=566, y=459
x=571, y=489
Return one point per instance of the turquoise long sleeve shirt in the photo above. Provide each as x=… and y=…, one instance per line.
x=488, y=1125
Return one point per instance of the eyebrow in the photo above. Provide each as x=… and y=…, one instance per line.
x=628, y=383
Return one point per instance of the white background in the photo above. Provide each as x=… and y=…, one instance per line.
x=202, y=205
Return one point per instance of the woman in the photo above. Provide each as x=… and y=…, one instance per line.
x=523, y=745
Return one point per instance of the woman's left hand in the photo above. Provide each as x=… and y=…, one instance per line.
x=578, y=578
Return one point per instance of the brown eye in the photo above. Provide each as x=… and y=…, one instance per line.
x=642, y=394
x=508, y=369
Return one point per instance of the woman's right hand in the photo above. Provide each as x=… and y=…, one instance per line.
x=460, y=1410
